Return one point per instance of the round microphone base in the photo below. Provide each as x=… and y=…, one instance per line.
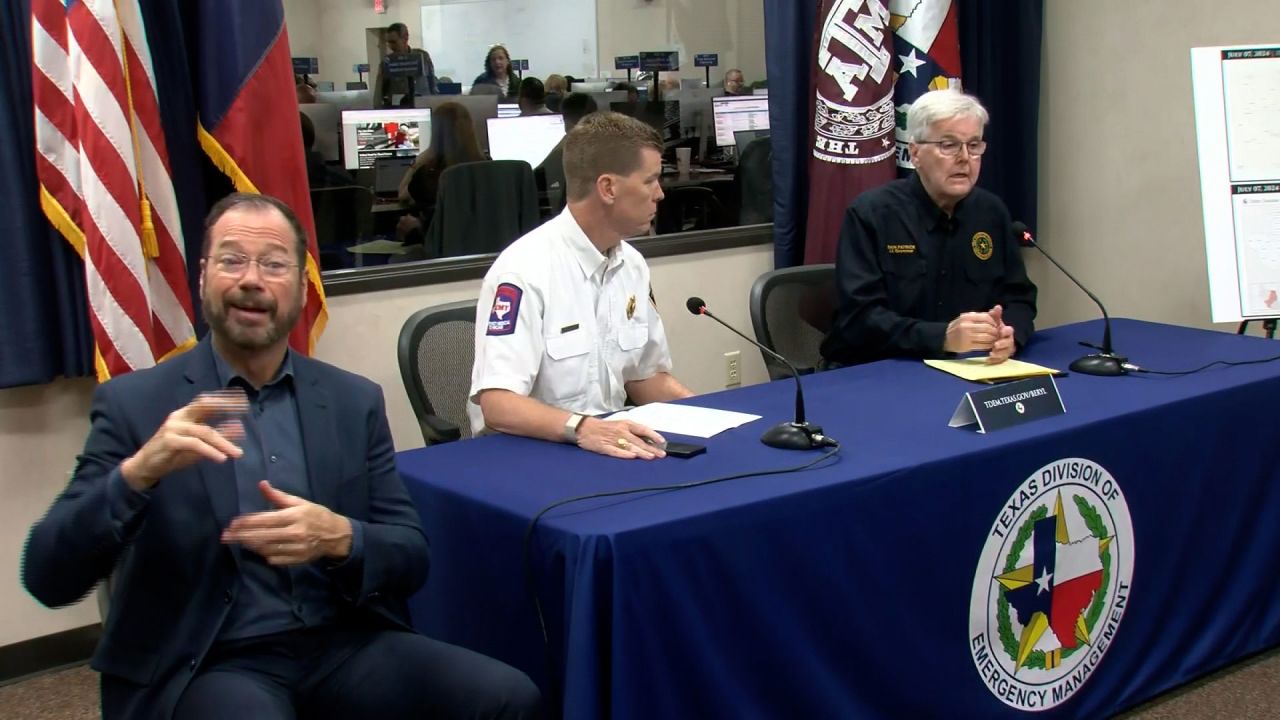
x=1099, y=364
x=795, y=436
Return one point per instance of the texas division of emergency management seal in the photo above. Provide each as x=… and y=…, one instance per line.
x=1052, y=585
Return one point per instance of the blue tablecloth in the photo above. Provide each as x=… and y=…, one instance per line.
x=898, y=579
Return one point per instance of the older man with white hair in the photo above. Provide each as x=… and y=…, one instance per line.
x=929, y=266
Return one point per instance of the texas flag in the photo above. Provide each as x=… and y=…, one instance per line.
x=1051, y=594
x=926, y=44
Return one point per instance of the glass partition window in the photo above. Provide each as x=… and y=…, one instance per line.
x=380, y=144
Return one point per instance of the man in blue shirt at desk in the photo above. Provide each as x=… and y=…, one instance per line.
x=245, y=501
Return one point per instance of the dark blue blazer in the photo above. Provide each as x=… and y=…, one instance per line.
x=174, y=580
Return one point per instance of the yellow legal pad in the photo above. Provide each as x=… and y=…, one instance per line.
x=976, y=369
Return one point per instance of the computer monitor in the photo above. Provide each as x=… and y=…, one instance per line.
x=324, y=86
x=357, y=85
x=508, y=110
x=589, y=87
x=661, y=116
x=480, y=107
x=743, y=138
x=449, y=88
x=371, y=134
x=325, y=119
x=606, y=99
x=732, y=113
x=530, y=138
x=695, y=106
x=387, y=174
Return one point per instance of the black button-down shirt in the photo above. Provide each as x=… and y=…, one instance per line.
x=905, y=269
x=273, y=599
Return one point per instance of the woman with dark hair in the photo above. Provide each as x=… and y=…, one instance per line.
x=497, y=72
x=453, y=141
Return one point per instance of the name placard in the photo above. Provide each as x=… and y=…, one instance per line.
x=520, y=64
x=306, y=65
x=626, y=62
x=406, y=65
x=1010, y=404
x=660, y=61
x=706, y=60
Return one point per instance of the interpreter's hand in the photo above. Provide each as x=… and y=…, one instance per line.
x=406, y=225
x=620, y=439
x=971, y=331
x=207, y=428
x=1004, y=346
x=297, y=532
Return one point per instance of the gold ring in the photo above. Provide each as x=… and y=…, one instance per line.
x=622, y=443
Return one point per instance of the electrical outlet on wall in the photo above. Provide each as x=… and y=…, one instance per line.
x=732, y=368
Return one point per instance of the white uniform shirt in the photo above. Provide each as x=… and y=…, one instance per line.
x=561, y=323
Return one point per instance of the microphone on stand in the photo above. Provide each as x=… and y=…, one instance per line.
x=795, y=435
x=1103, y=362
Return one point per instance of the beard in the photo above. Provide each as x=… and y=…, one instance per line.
x=243, y=336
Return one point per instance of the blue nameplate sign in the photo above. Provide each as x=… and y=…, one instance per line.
x=660, y=61
x=406, y=65
x=1010, y=404
x=706, y=60
x=626, y=62
x=306, y=65
x=360, y=68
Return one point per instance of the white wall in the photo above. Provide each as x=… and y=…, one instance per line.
x=334, y=31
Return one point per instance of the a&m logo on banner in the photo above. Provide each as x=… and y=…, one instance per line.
x=1052, y=585
x=853, y=112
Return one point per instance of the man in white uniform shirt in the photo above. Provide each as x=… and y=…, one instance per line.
x=566, y=328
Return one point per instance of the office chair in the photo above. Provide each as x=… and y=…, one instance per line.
x=344, y=217
x=791, y=312
x=754, y=178
x=481, y=207
x=436, y=351
x=686, y=208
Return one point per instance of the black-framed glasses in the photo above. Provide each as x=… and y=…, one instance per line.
x=237, y=264
x=950, y=146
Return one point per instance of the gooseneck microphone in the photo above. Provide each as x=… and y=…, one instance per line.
x=1103, y=362
x=795, y=435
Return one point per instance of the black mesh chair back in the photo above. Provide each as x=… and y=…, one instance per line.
x=791, y=312
x=482, y=207
x=686, y=208
x=436, y=351
x=754, y=177
x=344, y=217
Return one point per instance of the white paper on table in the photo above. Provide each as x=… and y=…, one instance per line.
x=691, y=420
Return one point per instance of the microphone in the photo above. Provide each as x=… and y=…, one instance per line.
x=795, y=435
x=1103, y=362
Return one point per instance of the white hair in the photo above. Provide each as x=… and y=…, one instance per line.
x=938, y=105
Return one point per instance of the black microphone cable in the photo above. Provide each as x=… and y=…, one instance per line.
x=1178, y=373
x=531, y=578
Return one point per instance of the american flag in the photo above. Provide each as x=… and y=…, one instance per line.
x=105, y=181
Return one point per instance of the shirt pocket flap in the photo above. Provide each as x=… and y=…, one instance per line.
x=633, y=336
x=568, y=345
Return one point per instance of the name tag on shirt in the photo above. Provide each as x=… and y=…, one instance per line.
x=901, y=249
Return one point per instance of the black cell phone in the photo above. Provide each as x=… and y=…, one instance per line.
x=684, y=450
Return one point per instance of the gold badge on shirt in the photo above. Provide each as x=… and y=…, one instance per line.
x=631, y=306
x=982, y=246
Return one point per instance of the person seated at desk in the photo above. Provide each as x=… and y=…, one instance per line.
x=557, y=88
x=566, y=327
x=533, y=97
x=574, y=108
x=320, y=174
x=453, y=142
x=735, y=83
x=497, y=74
x=633, y=94
x=387, y=87
x=244, y=499
x=929, y=265
x=305, y=88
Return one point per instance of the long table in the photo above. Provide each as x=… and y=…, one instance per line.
x=1076, y=565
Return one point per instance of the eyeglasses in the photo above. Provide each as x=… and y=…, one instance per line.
x=235, y=265
x=950, y=147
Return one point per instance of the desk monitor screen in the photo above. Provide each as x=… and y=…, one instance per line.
x=449, y=88
x=530, y=138
x=371, y=134
x=584, y=86
x=732, y=113
x=661, y=116
x=347, y=99
x=387, y=173
x=508, y=110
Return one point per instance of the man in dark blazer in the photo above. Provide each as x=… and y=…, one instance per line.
x=245, y=501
